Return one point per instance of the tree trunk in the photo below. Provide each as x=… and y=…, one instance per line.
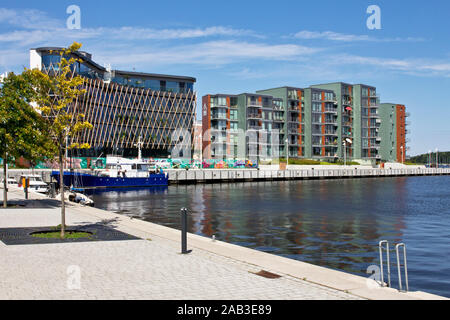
x=61, y=190
x=5, y=182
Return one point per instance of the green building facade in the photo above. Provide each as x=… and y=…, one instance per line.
x=320, y=122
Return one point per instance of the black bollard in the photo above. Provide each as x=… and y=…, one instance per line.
x=184, y=249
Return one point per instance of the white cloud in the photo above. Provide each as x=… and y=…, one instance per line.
x=208, y=53
x=28, y=19
x=334, y=36
x=412, y=66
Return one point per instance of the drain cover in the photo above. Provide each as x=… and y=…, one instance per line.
x=267, y=274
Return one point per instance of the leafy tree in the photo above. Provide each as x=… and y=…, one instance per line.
x=57, y=93
x=23, y=132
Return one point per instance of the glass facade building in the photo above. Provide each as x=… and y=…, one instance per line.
x=127, y=108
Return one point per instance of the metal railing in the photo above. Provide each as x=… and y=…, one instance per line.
x=382, y=248
x=404, y=266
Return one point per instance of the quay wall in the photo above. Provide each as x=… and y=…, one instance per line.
x=218, y=176
x=192, y=176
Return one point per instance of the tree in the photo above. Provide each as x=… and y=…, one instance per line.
x=23, y=132
x=57, y=92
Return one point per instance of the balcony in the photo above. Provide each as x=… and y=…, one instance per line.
x=334, y=101
x=254, y=105
x=278, y=108
x=216, y=106
x=256, y=116
x=219, y=117
x=332, y=111
x=219, y=129
x=347, y=103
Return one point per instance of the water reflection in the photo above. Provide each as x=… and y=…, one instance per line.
x=335, y=223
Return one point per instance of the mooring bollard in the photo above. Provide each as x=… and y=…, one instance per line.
x=184, y=249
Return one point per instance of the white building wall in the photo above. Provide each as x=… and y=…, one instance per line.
x=35, y=60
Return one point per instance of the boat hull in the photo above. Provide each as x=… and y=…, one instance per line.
x=89, y=181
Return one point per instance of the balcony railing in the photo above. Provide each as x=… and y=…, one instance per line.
x=347, y=102
x=214, y=106
x=254, y=116
x=218, y=117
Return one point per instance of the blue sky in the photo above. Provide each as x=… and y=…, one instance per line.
x=242, y=46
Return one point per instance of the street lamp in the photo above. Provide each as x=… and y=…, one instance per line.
x=346, y=141
x=287, y=152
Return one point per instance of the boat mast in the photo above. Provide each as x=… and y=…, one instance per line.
x=139, y=145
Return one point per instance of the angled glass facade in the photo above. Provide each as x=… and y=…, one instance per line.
x=126, y=108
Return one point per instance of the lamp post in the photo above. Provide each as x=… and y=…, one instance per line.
x=345, y=142
x=345, y=153
x=287, y=152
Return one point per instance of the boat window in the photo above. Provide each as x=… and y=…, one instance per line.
x=134, y=167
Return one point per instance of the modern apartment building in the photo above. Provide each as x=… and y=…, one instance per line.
x=310, y=121
x=128, y=108
x=319, y=122
x=244, y=126
x=393, y=132
x=358, y=120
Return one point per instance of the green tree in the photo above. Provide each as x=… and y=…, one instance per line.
x=57, y=93
x=23, y=132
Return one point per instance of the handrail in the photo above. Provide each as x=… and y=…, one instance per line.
x=380, y=248
x=404, y=265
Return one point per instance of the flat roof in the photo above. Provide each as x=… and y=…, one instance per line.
x=81, y=55
x=283, y=87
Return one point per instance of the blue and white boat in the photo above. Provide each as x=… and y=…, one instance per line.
x=119, y=173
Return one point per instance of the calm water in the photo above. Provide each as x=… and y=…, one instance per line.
x=336, y=224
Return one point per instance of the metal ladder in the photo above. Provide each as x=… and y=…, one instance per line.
x=399, y=265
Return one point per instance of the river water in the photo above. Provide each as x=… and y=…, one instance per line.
x=331, y=223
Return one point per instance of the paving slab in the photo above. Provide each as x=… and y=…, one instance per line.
x=153, y=268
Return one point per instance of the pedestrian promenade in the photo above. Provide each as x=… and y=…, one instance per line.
x=153, y=268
